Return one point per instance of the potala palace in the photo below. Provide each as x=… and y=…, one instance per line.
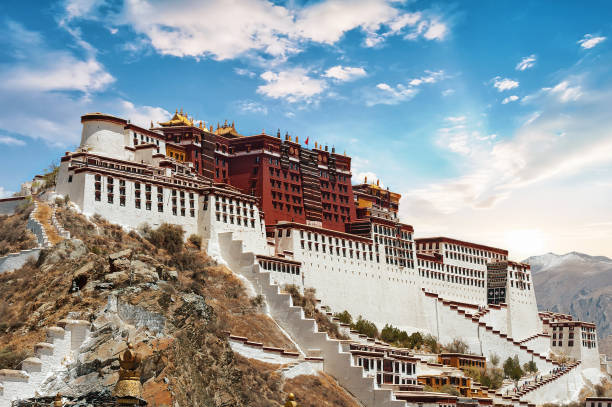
x=279, y=212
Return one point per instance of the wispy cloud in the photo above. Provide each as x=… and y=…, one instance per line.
x=11, y=141
x=590, y=41
x=392, y=95
x=249, y=106
x=503, y=84
x=512, y=98
x=526, y=63
x=245, y=72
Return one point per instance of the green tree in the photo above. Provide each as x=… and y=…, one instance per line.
x=415, y=340
x=530, y=367
x=432, y=343
x=494, y=358
x=512, y=368
x=457, y=346
x=365, y=327
x=344, y=317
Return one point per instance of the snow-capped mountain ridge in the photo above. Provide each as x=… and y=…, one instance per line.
x=551, y=261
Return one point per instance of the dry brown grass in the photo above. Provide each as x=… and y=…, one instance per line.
x=319, y=391
x=14, y=235
x=43, y=215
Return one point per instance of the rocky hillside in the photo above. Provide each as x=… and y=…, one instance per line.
x=168, y=298
x=576, y=284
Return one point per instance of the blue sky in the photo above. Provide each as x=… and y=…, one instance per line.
x=491, y=118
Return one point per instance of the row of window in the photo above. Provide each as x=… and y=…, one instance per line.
x=331, y=240
x=235, y=220
x=280, y=267
x=339, y=251
x=452, y=279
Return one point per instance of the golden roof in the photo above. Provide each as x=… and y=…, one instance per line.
x=179, y=119
x=227, y=130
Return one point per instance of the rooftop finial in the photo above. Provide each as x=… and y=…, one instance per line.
x=278, y=133
x=377, y=182
x=365, y=181
x=181, y=111
x=333, y=150
x=233, y=125
x=325, y=148
x=151, y=124
x=225, y=124
x=296, y=139
x=57, y=402
x=315, y=144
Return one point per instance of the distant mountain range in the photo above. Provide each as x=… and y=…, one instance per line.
x=576, y=284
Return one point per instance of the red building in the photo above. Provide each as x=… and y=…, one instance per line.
x=294, y=183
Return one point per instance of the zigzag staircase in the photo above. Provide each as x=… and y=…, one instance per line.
x=524, y=352
x=60, y=347
x=304, y=330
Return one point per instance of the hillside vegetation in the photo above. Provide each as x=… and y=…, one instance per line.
x=14, y=235
x=190, y=361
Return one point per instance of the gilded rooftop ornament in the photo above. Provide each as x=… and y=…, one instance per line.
x=291, y=401
x=127, y=389
x=58, y=400
x=178, y=120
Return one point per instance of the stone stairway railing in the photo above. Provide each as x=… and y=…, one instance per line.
x=37, y=228
x=58, y=227
x=304, y=331
x=524, y=393
x=13, y=261
x=524, y=352
x=59, y=349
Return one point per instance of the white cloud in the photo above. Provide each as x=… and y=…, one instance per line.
x=590, y=41
x=436, y=31
x=81, y=8
x=447, y=92
x=503, y=84
x=512, y=98
x=248, y=106
x=259, y=27
x=11, y=141
x=389, y=95
x=293, y=85
x=57, y=71
x=526, y=63
x=344, y=73
x=141, y=115
x=4, y=193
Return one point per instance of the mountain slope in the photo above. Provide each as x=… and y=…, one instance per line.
x=576, y=284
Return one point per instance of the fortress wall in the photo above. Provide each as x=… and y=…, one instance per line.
x=497, y=318
x=523, y=317
x=131, y=217
x=253, y=238
x=9, y=205
x=15, y=261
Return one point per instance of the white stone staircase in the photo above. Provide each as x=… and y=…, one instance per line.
x=302, y=330
x=59, y=349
